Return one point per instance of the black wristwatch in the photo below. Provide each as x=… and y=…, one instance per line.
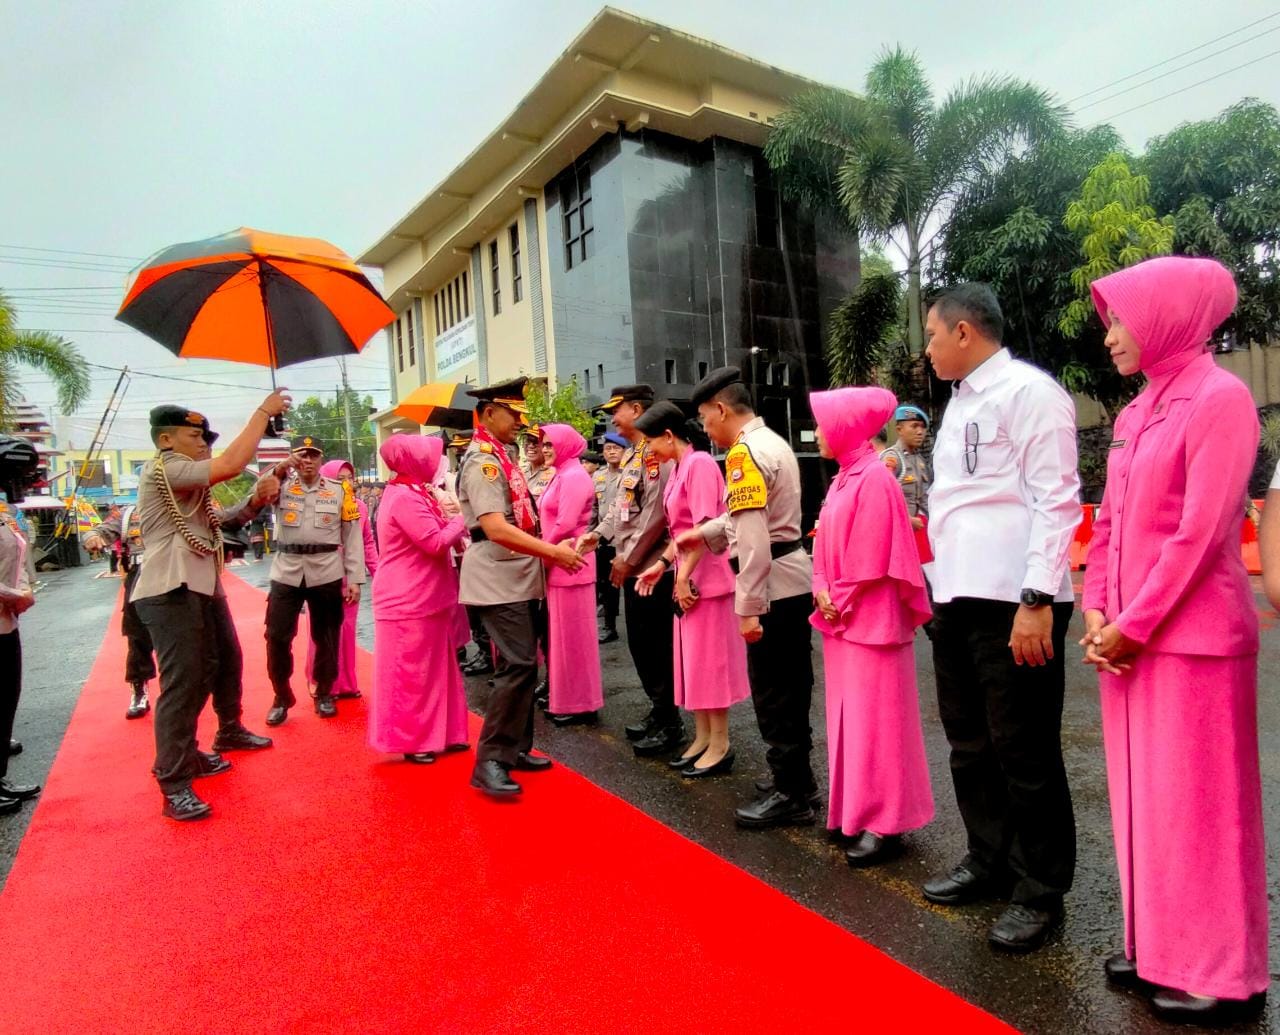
x=1030, y=598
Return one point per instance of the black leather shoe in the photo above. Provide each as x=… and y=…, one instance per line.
x=420, y=757
x=1184, y=1008
x=232, y=736
x=450, y=749
x=492, y=778
x=765, y=786
x=184, y=805
x=277, y=715
x=18, y=791
x=15, y=748
x=1122, y=972
x=640, y=730
x=574, y=719
x=325, y=708
x=478, y=666
x=957, y=888
x=138, y=703
x=775, y=810
x=1022, y=929
x=343, y=695
x=608, y=636
x=725, y=765
x=8, y=806
x=542, y=693
x=210, y=763
x=868, y=849
x=684, y=761
x=528, y=763
x=662, y=741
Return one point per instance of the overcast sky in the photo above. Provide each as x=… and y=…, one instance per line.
x=130, y=126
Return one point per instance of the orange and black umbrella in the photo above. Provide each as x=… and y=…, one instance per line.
x=440, y=404
x=254, y=297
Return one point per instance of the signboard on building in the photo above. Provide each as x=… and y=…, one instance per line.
x=456, y=347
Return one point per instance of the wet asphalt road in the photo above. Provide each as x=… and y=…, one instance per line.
x=1058, y=989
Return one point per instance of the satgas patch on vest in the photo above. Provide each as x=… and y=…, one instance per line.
x=747, y=490
x=490, y=471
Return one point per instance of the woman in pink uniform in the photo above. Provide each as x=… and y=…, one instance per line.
x=574, y=689
x=709, y=662
x=419, y=705
x=347, y=684
x=870, y=597
x=1172, y=627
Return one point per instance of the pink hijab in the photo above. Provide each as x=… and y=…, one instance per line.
x=849, y=417
x=1171, y=305
x=566, y=442
x=414, y=458
x=333, y=469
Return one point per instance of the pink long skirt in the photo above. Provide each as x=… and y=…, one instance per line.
x=1181, y=737
x=709, y=659
x=875, y=745
x=573, y=668
x=346, y=681
x=419, y=703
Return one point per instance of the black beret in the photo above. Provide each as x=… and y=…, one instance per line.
x=300, y=442
x=505, y=393
x=714, y=383
x=177, y=417
x=661, y=417
x=627, y=393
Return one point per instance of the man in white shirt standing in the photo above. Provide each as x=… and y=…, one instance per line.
x=1003, y=509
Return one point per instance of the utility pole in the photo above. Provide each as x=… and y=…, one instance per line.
x=346, y=411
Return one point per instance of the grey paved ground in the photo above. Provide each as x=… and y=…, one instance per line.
x=1059, y=989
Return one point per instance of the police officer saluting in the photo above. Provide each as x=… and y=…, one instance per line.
x=774, y=594
x=318, y=541
x=179, y=595
x=502, y=582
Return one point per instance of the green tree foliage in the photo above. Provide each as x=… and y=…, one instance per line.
x=1220, y=180
x=228, y=493
x=562, y=406
x=323, y=419
x=892, y=162
x=1116, y=227
x=863, y=329
x=46, y=352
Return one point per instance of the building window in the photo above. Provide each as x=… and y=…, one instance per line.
x=600, y=372
x=466, y=295
x=452, y=303
x=702, y=370
x=777, y=374
x=400, y=346
x=575, y=199
x=671, y=371
x=408, y=318
x=439, y=323
x=586, y=377
x=493, y=275
x=517, y=285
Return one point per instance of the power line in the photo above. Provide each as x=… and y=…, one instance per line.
x=53, y=264
x=78, y=287
x=1158, y=64
x=64, y=251
x=1180, y=68
x=1184, y=89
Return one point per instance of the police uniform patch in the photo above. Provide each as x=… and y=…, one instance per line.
x=490, y=471
x=296, y=490
x=290, y=517
x=747, y=490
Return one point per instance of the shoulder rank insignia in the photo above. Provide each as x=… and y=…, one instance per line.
x=484, y=447
x=746, y=487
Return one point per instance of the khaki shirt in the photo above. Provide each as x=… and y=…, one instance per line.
x=635, y=522
x=170, y=561
x=539, y=480
x=912, y=471
x=606, y=481
x=763, y=483
x=492, y=574
x=112, y=528
x=312, y=514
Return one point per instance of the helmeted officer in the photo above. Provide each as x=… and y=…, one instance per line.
x=318, y=544
x=502, y=581
x=179, y=597
x=774, y=589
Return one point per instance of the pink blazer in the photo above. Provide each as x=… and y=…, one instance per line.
x=565, y=511
x=1164, y=564
x=415, y=575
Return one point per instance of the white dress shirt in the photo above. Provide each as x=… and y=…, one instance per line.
x=1005, y=500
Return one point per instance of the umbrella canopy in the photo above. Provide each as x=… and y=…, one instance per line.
x=440, y=404
x=254, y=297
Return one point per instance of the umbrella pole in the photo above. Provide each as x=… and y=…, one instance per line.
x=276, y=424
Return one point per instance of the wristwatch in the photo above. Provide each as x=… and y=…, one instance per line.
x=1030, y=598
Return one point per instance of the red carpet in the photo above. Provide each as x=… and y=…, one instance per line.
x=336, y=891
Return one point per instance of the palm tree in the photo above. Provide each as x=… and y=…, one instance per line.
x=45, y=351
x=891, y=162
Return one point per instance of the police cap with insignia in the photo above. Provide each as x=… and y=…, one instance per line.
x=303, y=443
x=505, y=393
x=169, y=416
x=715, y=383
x=627, y=393
x=460, y=440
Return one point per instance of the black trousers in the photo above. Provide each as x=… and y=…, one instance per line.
x=478, y=633
x=508, y=717
x=607, y=593
x=780, y=670
x=324, y=607
x=1004, y=724
x=139, y=665
x=649, y=639
x=199, y=654
x=10, y=691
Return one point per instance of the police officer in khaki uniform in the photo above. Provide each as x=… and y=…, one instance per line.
x=502, y=582
x=774, y=594
x=318, y=543
x=906, y=459
x=179, y=595
x=607, y=481
x=636, y=527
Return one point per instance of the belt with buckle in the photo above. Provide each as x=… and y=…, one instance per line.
x=306, y=548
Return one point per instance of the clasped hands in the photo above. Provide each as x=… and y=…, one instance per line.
x=1106, y=648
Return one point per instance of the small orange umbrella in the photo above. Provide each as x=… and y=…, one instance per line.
x=254, y=297
x=440, y=404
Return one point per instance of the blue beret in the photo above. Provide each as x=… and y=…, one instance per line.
x=613, y=438
x=911, y=413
